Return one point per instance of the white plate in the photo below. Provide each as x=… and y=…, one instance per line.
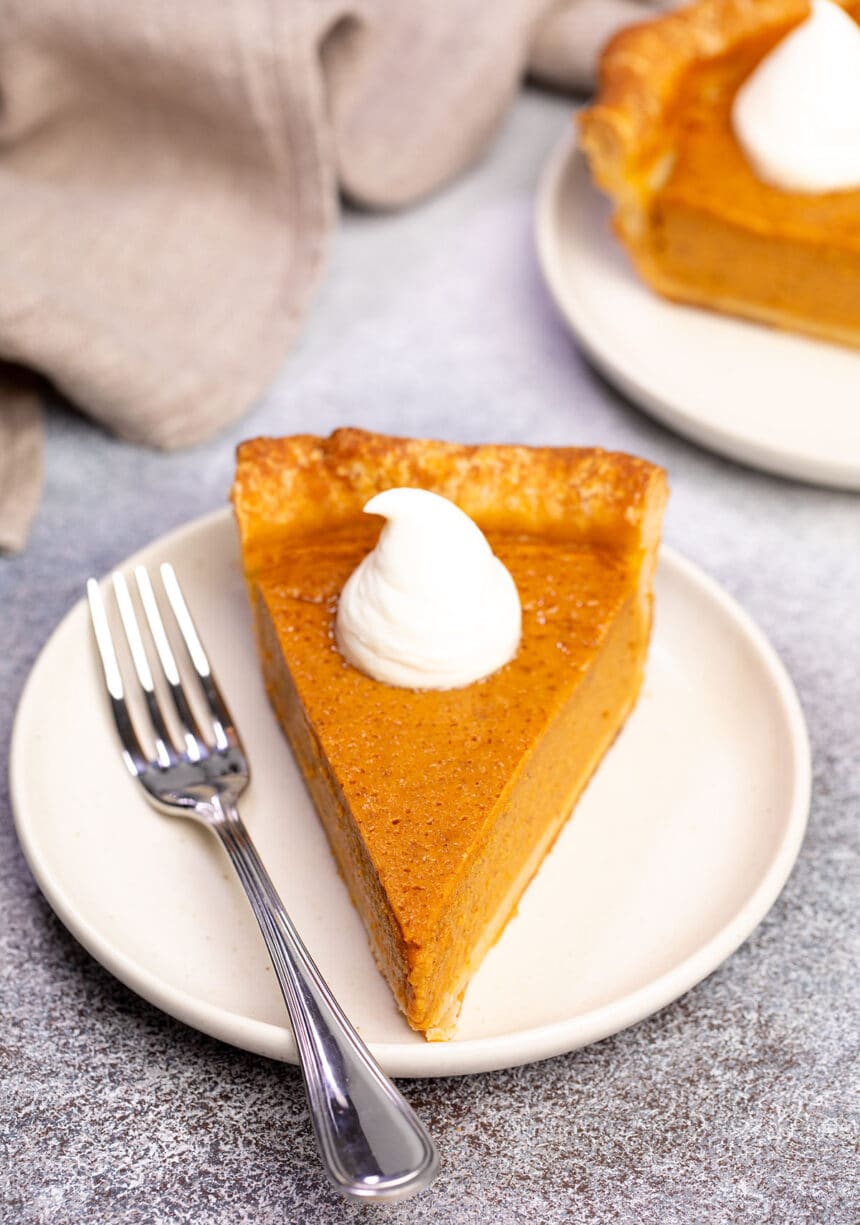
x=771, y=399
x=678, y=849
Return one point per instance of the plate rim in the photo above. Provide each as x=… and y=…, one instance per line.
x=473, y=1055
x=832, y=472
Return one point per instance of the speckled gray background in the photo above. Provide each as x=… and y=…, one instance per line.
x=736, y=1104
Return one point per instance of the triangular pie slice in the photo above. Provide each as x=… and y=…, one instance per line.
x=697, y=222
x=441, y=805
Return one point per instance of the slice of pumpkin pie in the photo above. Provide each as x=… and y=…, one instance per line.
x=727, y=135
x=441, y=800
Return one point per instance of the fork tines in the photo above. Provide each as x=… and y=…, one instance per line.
x=196, y=735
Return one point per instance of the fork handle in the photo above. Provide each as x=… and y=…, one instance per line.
x=372, y=1144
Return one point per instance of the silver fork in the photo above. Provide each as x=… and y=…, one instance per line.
x=373, y=1146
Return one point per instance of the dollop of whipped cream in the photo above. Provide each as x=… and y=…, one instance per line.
x=431, y=607
x=797, y=116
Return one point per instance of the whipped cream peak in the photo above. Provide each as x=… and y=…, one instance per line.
x=431, y=607
x=797, y=116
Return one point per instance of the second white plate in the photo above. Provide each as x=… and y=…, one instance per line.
x=678, y=848
x=774, y=400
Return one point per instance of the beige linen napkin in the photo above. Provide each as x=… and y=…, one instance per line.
x=169, y=177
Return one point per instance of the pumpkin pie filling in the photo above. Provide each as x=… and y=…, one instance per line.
x=441, y=804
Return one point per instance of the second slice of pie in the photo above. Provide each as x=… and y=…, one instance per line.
x=698, y=222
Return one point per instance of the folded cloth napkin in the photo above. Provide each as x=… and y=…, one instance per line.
x=169, y=178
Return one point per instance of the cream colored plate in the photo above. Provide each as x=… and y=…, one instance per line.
x=771, y=399
x=678, y=849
